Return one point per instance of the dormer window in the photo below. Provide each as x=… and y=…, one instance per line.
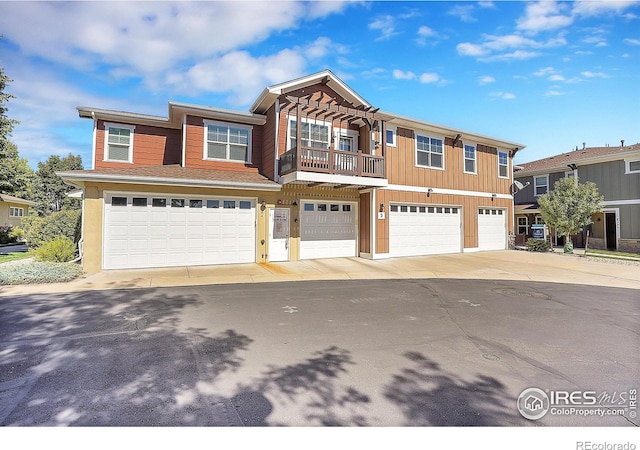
x=227, y=142
x=118, y=143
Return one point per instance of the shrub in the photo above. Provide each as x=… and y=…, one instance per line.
x=41, y=229
x=5, y=234
x=39, y=272
x=538, y=245
x=60, y=249
x=17, y=234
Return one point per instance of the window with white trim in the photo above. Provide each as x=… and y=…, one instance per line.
x=227, y=142
x=391, y=135
x=118, y=142
x=503, y=164
x=539, y=220
x=346, y=140
x=314, y=135
x=632, y=166
x=15, y=211
x=469, y=158
x=429, y=152
x=523, y=225
x=540, y=185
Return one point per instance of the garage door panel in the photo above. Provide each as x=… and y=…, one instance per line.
x=328, y=234
x=492, y=229
x=163, y=236
x=413, y=231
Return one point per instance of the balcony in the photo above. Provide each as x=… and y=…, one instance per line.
x=332, y=162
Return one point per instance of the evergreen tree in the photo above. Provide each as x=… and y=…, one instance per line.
x=50, y=192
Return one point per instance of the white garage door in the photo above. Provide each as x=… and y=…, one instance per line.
x=164, y=231
x=416, y=230
x=327, y=230
x=492, y=229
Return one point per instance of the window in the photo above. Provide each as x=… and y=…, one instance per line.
x=308, y=207
x=523, y=225
x=227, y=142
x=404, y=208
x=429, y=152
x=159, y=202
x=541, y=184
x=177, y=203
x=213, y=203
x=391, y=136
x=245, y=205
x=335, y=208
x=195, y=203
x=314, y=135
x=139, y=201
x=413, y=209
x=118, y=201
x=469, y=158
x=632, y=166
x=539, y=220
x=503, y=164
x=16, y=212
x=345, y=144
x=229, y=204
x=118, y=143
x=346, y=208
x=322, y=207
x=394, y=208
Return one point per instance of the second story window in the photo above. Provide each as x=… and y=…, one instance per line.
x=429, y=152
x=118, y=144
x=469, y=158
x=541, y=184
x=314, y=135
x=391, y=133
x=227, y=142
x=632, y=166
x=503, y=164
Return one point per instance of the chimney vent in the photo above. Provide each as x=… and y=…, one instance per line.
x=584, y=145
x=621, y=142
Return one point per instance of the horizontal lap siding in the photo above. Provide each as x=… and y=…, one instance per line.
x=152, y=146
x=194, y=149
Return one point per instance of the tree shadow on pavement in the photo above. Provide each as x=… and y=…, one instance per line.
x=429, y=395
x=312, y=389
x=112, y=358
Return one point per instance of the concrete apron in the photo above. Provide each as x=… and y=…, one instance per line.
x=496, y=265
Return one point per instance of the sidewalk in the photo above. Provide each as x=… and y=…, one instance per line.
x=498, y=265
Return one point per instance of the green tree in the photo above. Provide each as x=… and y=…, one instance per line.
x=569, y=207
x=50, y=192
x=9, y=159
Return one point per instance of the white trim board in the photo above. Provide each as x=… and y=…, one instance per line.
x=635, y=201
x=399, y=187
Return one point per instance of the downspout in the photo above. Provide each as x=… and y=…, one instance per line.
x=81, y=241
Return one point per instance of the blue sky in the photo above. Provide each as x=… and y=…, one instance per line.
x=548, y=74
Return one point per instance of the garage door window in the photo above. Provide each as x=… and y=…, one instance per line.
x=245, y=205
x=213, y=203
x=159, y=202
x=119, y=201
x=335, y=208
x=139, y=201
x=229, y=204
x=195, y=203
x=308, y=206
x=346, y=208
x=177, y=203
x=322, y=207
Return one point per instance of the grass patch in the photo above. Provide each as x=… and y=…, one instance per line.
x=39, y=272
x=13, y=256
x=611, y=253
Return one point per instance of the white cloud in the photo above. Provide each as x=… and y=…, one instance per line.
x=589, y=74
x=553, y=93
x=386, y=25
x=463, y=12
x=544, y=15
x=631, y=41
x=487, y=79
x=402, y=75
x=503, y=95
x=486, y=4
x=507, y=47
x=594, y=8
x=556, y=77
x=428, y=78
x=424, y=78
x=545, y=72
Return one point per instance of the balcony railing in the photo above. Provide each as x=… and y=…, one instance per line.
x=309, y=159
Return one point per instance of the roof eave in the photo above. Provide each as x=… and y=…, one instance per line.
x=75, y=178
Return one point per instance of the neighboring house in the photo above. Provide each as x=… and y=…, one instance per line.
x=616, y=172
x=13, y=209
x=311, y=171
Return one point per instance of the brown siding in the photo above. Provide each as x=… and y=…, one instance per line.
x=365, y=223
x=152, y=146
x=402, y=170
x=194, y=149
x=468, y=204
x=268, y=143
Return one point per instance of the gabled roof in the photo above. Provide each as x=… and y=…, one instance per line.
x=588, y=155
x=12, y=199
x=172, y=175
x=271, y=93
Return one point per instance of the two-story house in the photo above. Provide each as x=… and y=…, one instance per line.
x=312, y=170
x=616, y=172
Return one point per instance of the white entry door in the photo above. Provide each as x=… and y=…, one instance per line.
x=279, y=234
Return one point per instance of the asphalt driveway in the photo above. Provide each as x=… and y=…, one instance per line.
x=355, y=352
